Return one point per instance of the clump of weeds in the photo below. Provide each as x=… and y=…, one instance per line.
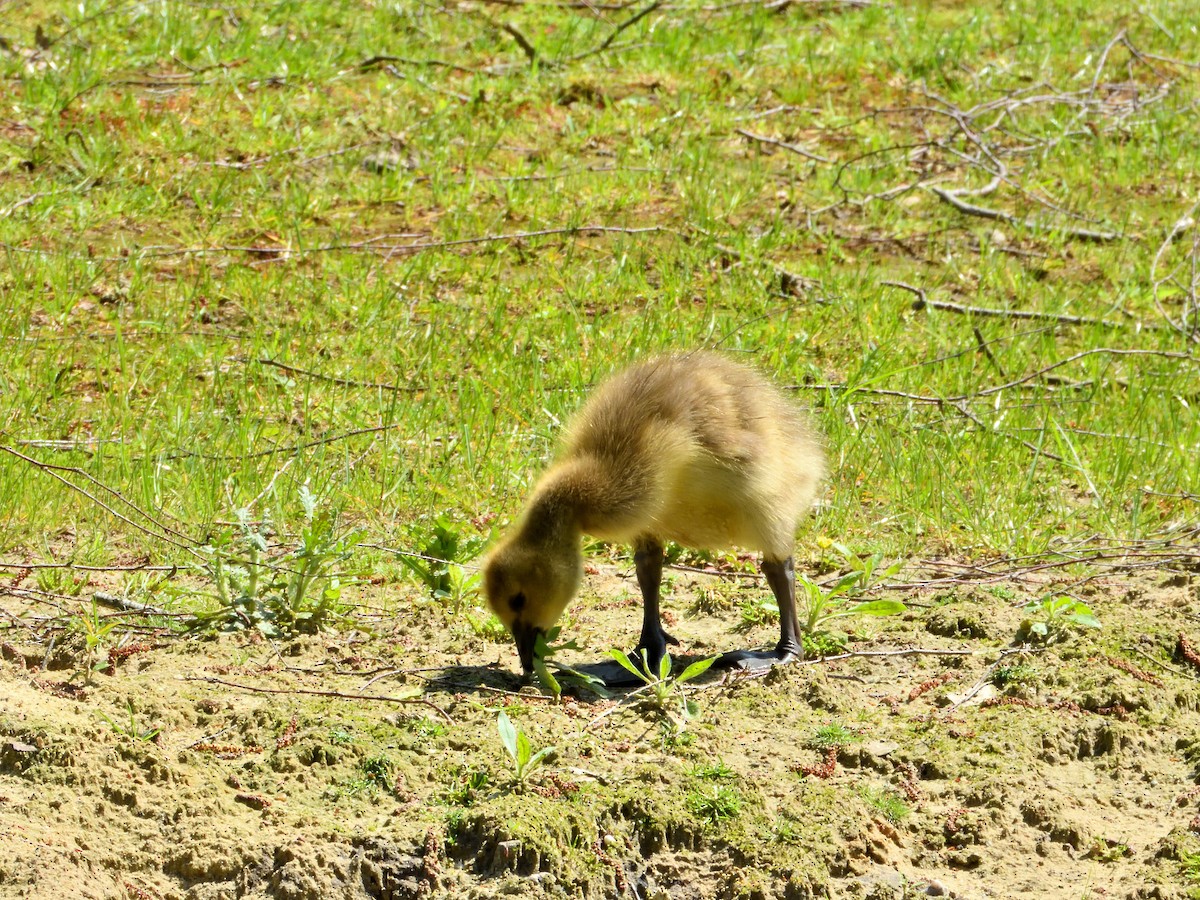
x=440, y=564
x=374, y=775
x=818, y=607
x=664, y=693
x=888, y=804
x=131, y=729
x=833, y=736
x=296, y=590
x=468, y=786
x=716, y=805
x=91, y=625
x=717, y=771
x=1015, y=675
x=1054, y=618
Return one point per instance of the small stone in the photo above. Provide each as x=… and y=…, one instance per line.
x=935, y=889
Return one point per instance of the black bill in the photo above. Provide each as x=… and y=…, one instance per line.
x=526, y=637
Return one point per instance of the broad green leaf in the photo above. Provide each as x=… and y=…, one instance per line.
x=1087, y=620
x=508, y=734
x=664, y=666
x=844, y=585
x=698, y=668
x=545, y=677
x=623, y=658
x=539, y=756
x=523, y=750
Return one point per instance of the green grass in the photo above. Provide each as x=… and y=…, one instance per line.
x=149, y=145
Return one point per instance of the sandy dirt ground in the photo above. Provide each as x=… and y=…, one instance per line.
x=234, y=766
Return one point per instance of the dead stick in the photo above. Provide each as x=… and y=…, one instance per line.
x=142, y=568
x=793, y=148
x=987, y=351
x=293, y=448
x=632, y=20
x=983, y=212
x=523, y=42
x=962, y=407
x=1034, y=315
x=1112, y=351
x=51, y=471
x=344, y=382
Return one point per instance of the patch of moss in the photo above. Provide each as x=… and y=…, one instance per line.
x=965, y=620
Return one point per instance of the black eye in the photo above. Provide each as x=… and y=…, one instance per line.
x=517, y=602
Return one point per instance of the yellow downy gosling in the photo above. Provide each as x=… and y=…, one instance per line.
x=693, y=448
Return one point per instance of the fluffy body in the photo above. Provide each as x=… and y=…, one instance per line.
x=693, y=448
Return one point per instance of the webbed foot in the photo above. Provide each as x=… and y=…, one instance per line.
x=757, y=661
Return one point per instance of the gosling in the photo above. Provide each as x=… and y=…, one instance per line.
x=692, y=448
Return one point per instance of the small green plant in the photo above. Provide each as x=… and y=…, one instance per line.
x=280, y=594
x=438, y=565
x=1051, y=618
x=1001, y=591
x=519, y=749
x=752, y=613
x=786, y=830
x=1005, y=676
x=89, y=623
x=1107, y=851
x=673, y=738
x=664, y=693
x=427, y=729
x=716, y=806
x=339, y=736
x=717, y=771
x=454, y=824
x=714, y=598
x=887, y=803
x=131, y=729
x=1189, y=866
x=833, y=735
x=468, y=786
x=822, y=643
x=377, y=770
x=61, y=581
x=485, y=625
x=818, y=607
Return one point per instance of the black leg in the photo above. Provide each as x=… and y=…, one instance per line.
x=648, y=559
x=781, y=576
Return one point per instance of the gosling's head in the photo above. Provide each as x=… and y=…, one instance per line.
x=528, y=588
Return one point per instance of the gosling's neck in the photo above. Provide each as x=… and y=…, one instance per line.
x=586, y=493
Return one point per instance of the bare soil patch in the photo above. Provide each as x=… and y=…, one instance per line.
x=970, y=770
